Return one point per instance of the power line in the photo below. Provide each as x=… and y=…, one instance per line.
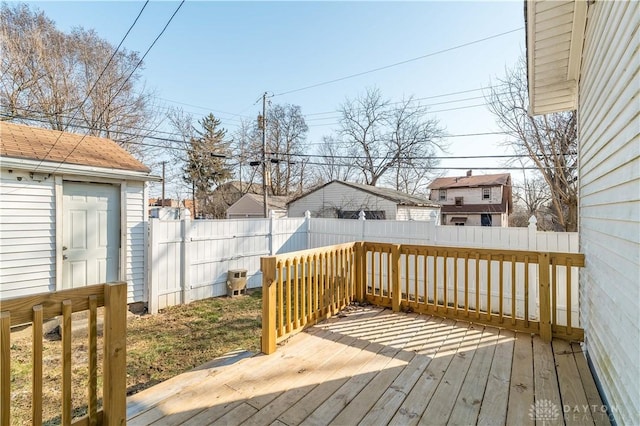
x=123, y=83
x=98, y=79
x=428, y=157
x=399, y=63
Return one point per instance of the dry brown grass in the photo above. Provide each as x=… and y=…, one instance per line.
x=158, y=347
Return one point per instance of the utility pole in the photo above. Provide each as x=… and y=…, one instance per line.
x=264, y=155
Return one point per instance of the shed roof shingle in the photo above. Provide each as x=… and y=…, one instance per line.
x=34, y=143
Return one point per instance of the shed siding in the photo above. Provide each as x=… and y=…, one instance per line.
x=324, y=201
x=136, y=241
x=609, y=156
x=27, y=235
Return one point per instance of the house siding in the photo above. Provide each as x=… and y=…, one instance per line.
x=416, y=213
x=136, y=241
x=27, y=235
x=336, y=195
x=609, y=162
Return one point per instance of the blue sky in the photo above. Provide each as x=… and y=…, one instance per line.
x=221, y=56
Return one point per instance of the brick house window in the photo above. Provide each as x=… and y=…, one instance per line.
x=443, y=195
x=459, y=201
x=486, y=193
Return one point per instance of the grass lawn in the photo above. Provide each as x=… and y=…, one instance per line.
x=158, y=347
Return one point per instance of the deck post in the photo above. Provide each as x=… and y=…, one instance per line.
x=394, y=270
x=115, y=354
x=268, y=268
x=544, y=297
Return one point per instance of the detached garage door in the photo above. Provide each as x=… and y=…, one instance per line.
x=91, y=234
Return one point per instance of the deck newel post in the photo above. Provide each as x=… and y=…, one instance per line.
x=545, y=297
x=268, y=268
x=115, y=354
x=395, y=278
x=359, y=284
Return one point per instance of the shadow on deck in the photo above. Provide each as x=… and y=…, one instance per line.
x=371, y=366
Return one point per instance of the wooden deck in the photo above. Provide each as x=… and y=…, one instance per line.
x=373, y=367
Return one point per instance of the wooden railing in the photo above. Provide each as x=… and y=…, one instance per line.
x=37, y=308
x=304, y=287
x=513, y=289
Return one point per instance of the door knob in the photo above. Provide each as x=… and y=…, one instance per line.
x=65, y=257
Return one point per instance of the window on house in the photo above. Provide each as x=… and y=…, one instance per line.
x=485, y=219
x=459, y=201
x=443, y=195
x=486, y=193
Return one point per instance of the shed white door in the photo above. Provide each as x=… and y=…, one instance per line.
x=91, y=234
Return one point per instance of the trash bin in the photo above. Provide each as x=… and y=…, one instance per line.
x=236, y=282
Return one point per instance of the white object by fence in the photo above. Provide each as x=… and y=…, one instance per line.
x=189, y=259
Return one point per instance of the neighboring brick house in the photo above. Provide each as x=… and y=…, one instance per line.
x=474, y=200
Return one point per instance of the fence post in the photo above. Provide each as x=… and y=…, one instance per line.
x=268, y=268
x=114, y=388
x=152, y=277
x=545, y=297
x=307, y=221
x=362, y=217
x=271, y=227
x=185, y=259
x=533, y=229
x=394, y=270
x=433, y=224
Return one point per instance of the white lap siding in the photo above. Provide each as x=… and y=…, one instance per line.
x=136, y=223
x=27, y=235
x=609, y=126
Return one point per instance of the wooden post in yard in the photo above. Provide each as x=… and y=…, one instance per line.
x=115, y=354
x=544, y=297
x=394, y=270
x=268, y=268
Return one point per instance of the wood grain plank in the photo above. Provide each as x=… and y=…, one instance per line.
x=547, y=394
x=468, y=403
x=93, y=361
x=445, y=346
x=494, y=411
x=600, y=416
x=521, y=386
x=66, y=361
x=571, y=389
x=5, y=368
x=443, y=400
x=36, y=373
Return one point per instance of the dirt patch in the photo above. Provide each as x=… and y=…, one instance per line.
x=159, y=347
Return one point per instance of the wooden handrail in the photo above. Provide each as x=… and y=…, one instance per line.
x=35, y=309
x=489, y=286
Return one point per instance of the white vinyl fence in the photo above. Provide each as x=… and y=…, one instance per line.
x=189, y=259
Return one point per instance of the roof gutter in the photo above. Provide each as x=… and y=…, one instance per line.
x=76, y=170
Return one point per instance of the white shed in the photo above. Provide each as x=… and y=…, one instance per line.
x=73, y=212
x=346, y=199
x=584, y=55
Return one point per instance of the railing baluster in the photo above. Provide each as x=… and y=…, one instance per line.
x=5, y=368
x=513, y=290
x=435, y=279
x=425, y=279
x=36, y=374
x=296, y=293
x=455, y=282
x=489, y=287
x=501, y=291
x=303, y=291
x=93, y=360
x=477, y=285
x=416, y=286
x=288, y=299
x=554, y=291
x=445, y=281
x=568, y=298
x=280, y=297
x=526, y=291
x=66, y=362
x=466, y=284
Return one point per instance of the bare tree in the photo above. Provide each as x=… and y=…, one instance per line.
x=48, y=77
x=549, y=141
x=334, y=165
x=385, y=139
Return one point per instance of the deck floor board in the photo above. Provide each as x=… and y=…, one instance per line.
x=370, y=366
